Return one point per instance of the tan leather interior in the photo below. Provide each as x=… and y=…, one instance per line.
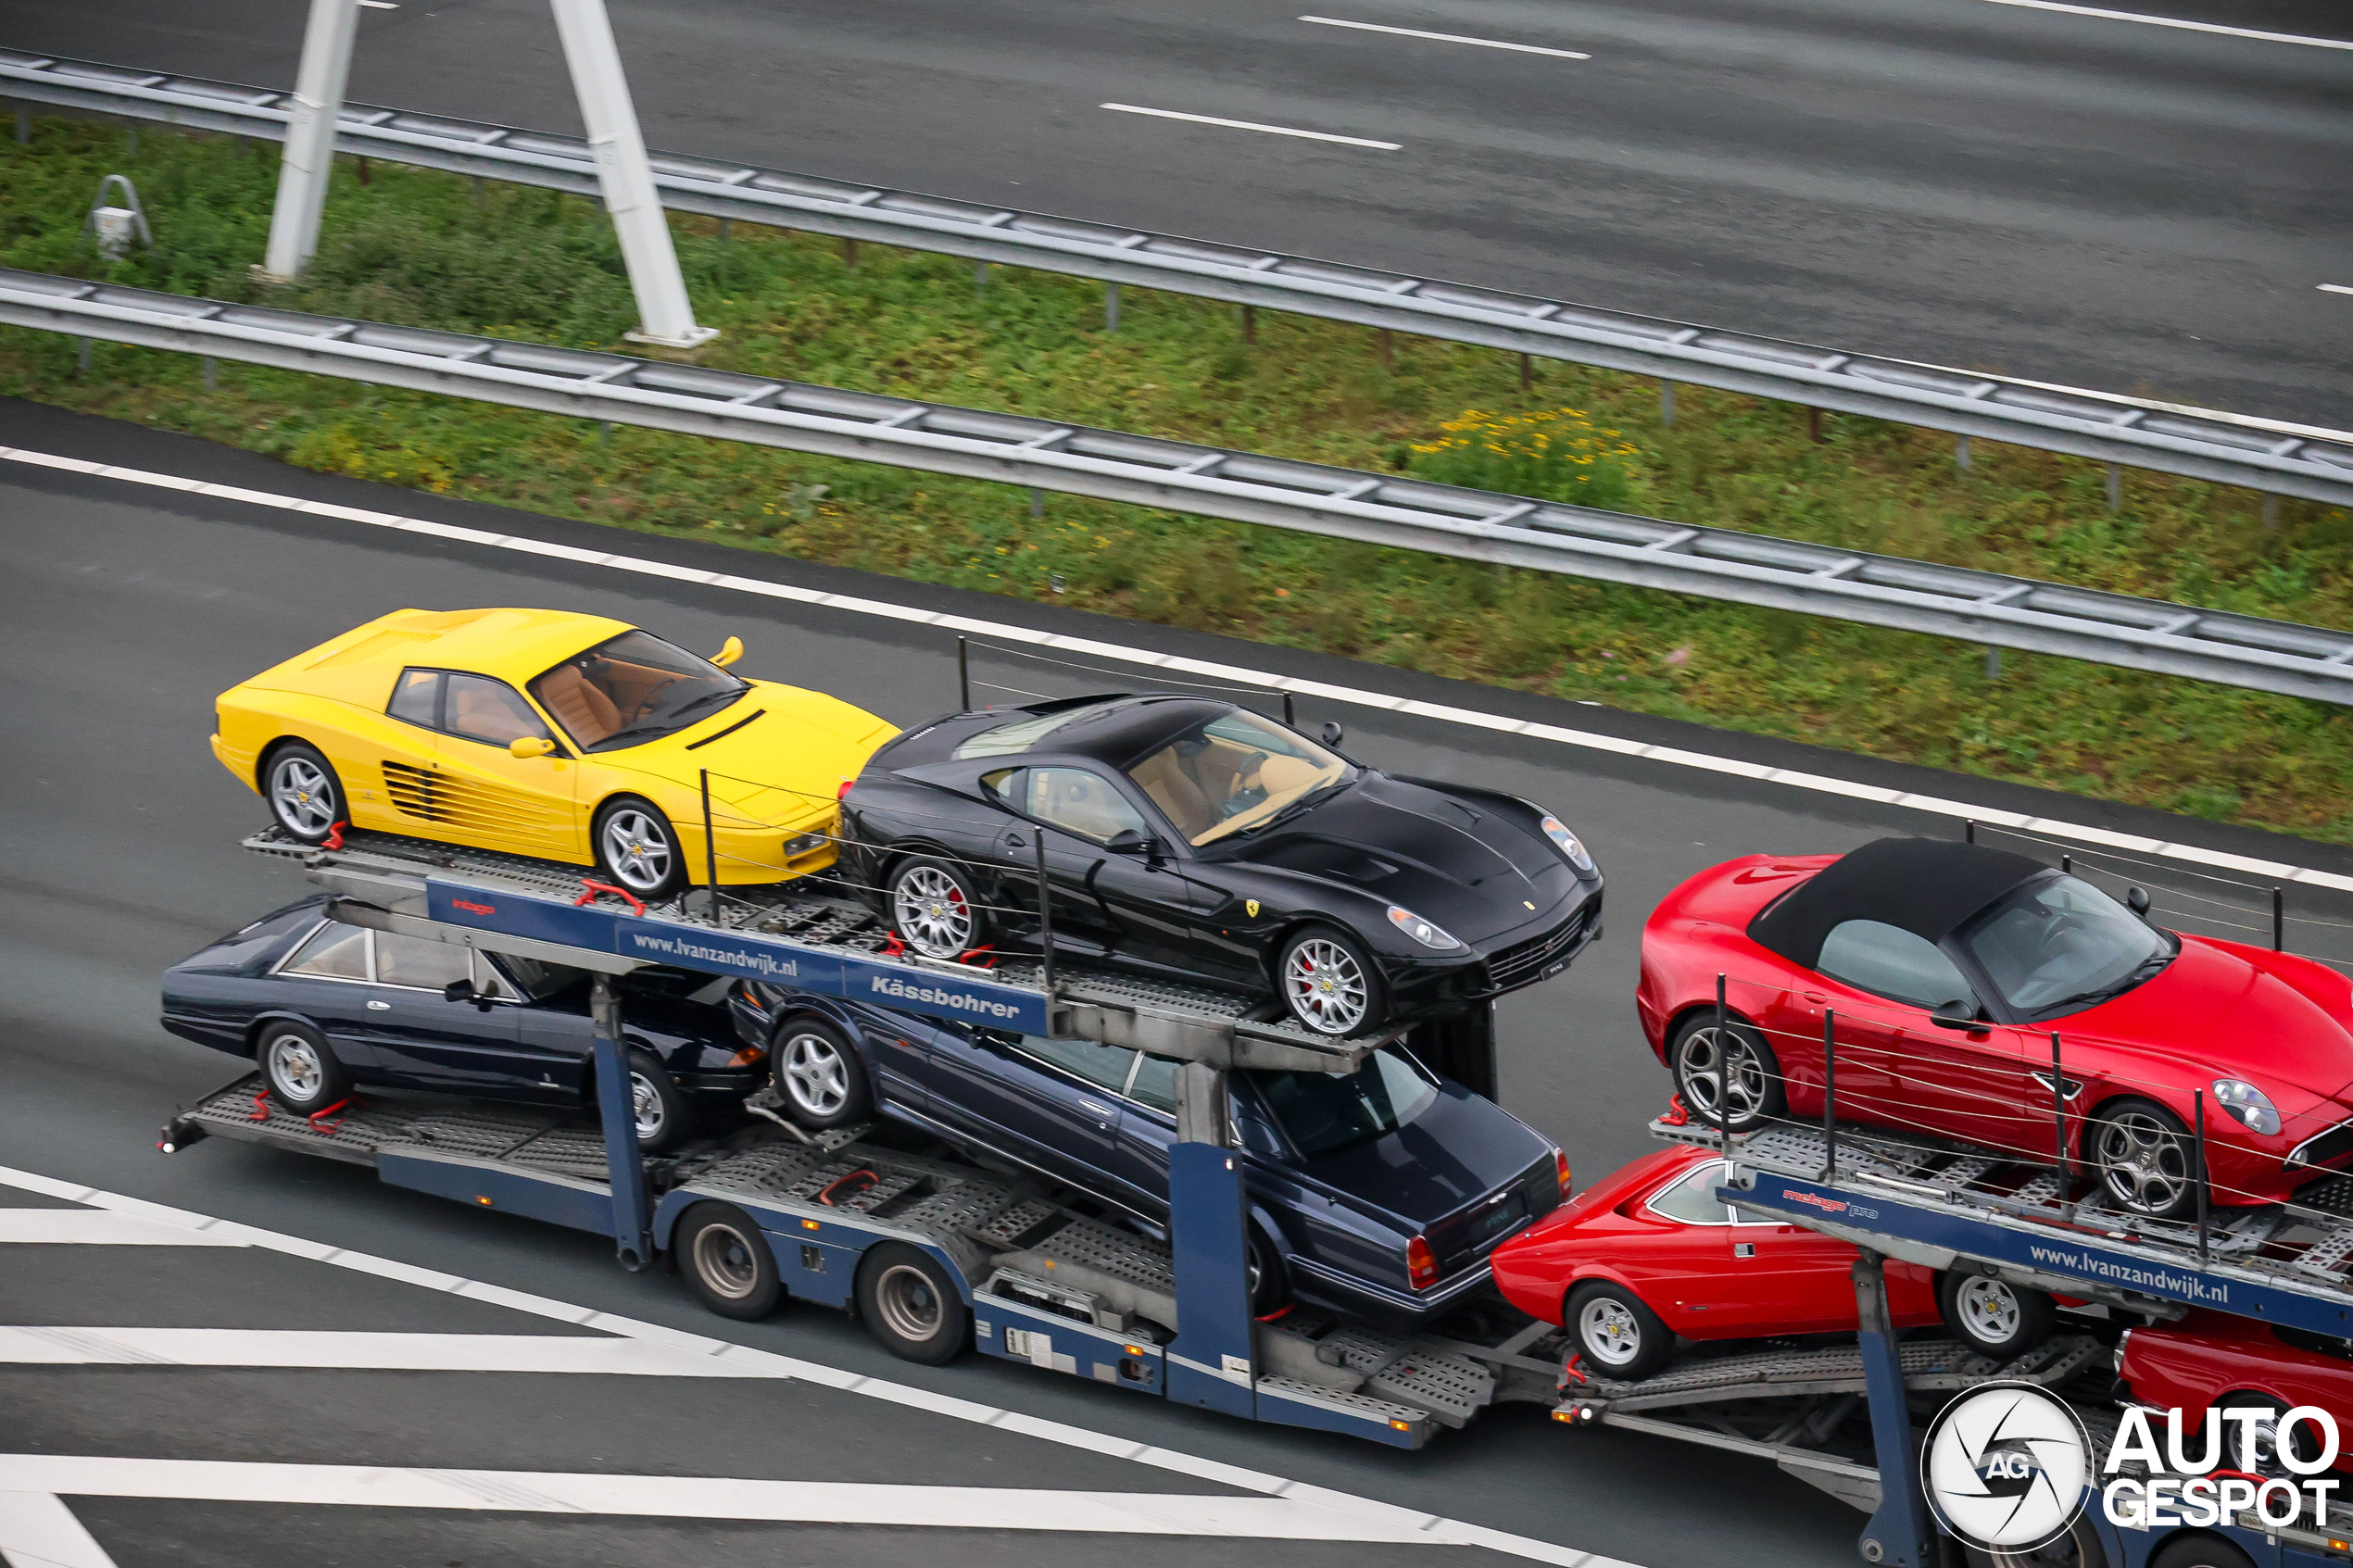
x=579, y=707
x=1162, y=776
x=480, y=711
x=1080, y=801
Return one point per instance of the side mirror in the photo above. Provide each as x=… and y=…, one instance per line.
x=531, y=745
x=729, y=651
x=1333, y=734
x=2138, y=900
x=458, y=991
x=1955, y=1014
x=1128, y=841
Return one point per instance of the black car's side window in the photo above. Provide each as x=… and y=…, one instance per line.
x=1155, y=1084
x=1079, y=802
x=1106, y=1066
x=336, y=952
x=477, y=708
x=416, y=698
x=423, y=966
x=1889, y=962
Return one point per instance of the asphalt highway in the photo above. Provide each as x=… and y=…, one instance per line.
x=2069, y=198
x=124, y=609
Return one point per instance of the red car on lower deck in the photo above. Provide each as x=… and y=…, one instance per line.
x=1650, y=1253
x=2216, y=1361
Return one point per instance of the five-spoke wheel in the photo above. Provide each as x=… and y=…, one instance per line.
x=1617, y=1331
x=1328, y=983
x=304, y=794
x=636, y=848
x=303, y=1072
x=819, y=1075
x=936, y=910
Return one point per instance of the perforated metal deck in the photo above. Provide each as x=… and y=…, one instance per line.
x=524, y=1136
x=1932, y=1364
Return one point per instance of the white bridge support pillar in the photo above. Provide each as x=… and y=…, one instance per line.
x=664, y=315
x=310, y=136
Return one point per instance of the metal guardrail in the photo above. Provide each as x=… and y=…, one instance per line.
x=1979, y=607
x=2266, y=455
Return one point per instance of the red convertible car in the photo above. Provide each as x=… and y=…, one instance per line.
x=2214, y=1359
x=1951, y=970
x=1650, y=1253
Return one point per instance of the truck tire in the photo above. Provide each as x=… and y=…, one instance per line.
x=728, y=1263
x=910, y=1305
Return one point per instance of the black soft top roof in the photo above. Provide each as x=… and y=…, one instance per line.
x=1928, y=887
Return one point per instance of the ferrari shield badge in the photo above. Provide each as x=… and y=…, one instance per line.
x=1252, y=905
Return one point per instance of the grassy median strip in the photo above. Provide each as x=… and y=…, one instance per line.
x=416, y=248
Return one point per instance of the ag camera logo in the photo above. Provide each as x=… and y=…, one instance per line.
x=2004, y=1466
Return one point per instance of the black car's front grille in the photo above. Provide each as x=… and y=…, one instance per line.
x=1523, y=962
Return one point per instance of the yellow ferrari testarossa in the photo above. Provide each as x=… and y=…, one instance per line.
x=543, y=732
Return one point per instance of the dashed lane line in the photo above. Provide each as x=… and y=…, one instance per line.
x=1253, y=125
x=1818, y=784
x=96, y=1227
x=1409, y=1523
x=363, y=1350
x=2179, y=22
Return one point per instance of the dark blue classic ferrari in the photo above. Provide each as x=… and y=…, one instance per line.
x=323, y=1008
x=1379, y=1192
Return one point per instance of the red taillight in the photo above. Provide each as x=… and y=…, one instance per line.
x=1420, y=1267
x=843, y=793
x=1560, y=1164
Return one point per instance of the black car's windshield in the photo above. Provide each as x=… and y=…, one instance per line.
x=1233, y=773
x=2057, y=945
x=631, y=689
x=1326, y=1113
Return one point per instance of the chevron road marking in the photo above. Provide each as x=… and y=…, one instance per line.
x=1819, y=783
x=1392, y=1522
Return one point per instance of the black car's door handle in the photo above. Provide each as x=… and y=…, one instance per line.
x=1016, y=841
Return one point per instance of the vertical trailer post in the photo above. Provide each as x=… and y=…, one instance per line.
x=1830, y=1096
x=632, y=1208
x=1210, y=1363
x=963, y=676
x=1899, y=1532
x=1723, y=1047
x=1044, y=916
x=2058, y=1122
x=710, y=845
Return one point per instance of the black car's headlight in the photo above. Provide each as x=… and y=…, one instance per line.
x=1569, y=844
x=1422, y=931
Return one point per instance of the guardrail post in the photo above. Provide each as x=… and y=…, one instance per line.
x=1111, y=307
x=1899, y=1534
x=627, y=178
x=1960, y=453
x=309, y=155
x=1666, y=404
x=2115, y=487
x=24, y=126
x=624, y=1161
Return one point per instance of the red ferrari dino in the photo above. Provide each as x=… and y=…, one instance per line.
x=1978, y=995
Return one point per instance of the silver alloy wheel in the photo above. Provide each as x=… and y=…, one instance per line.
x=637, y=849
x=296, y=1070
x=1608, y=1329
x=2143, y=1163
x=934, y=916
x=1325, y=988
x=646, y=1106
x=724, y=1260
x=1720, y=1079
x=303, y=796
x=814, y=1074
x=909, y=1306
x=1988, y=1309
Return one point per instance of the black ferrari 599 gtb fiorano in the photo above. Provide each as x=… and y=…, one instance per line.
x=1191, y=837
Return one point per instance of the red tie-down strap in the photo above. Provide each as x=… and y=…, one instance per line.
x=893, y=948
x=335, y=836
x=1570, y=1372
x=636, y=905
x=974, y=956
x=318, y=1118
x=1678, y=1113
x=261, y=1105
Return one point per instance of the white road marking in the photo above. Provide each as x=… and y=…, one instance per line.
x=2337, y=288
x=352, y=1351
x=1448, y=38
x=38, y=1531
x=1819, y=783
x=96, y=1227
x=1253, y=125
x=700, y=1497
x=2176, y=22
x=1401, y=1522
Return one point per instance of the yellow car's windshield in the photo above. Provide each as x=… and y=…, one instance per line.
x=1233, y=773
x=631, y=689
